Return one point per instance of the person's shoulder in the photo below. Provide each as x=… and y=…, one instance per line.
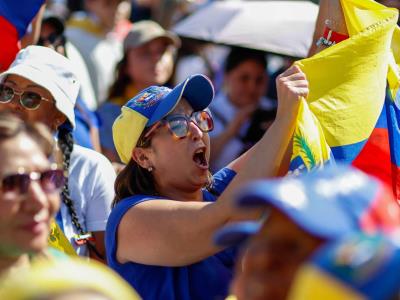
x=82, y=31
x=136, y=199
x=224, y=174
x=83, y=155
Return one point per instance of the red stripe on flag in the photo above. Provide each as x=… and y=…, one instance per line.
x=9, y=43
x=396, y=181
x=374, y=158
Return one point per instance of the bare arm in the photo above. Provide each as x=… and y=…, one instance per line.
x=170, y=233
x=32, y=37
x=330, y=11
x=175, y=233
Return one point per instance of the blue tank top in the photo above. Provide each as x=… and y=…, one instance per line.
x=206, y=280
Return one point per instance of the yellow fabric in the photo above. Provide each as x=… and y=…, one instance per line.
x=130, y=92
x=87, y=25
x=312, y=284
x=393, y=72
x=59, y=241
x=127, y=129
x=359, y=14
x=50, y=277
x=308, y=139
x=348, y=80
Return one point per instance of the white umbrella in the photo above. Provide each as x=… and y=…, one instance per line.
x=282, y=27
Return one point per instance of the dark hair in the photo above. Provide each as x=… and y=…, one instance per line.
x=11, y=126
x=122, y=80
x=57, y=38
x=239, y=55
x=133, y=179
x=66, y=144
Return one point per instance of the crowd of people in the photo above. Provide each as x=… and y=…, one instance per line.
x=171, y=188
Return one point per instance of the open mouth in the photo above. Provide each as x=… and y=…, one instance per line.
x=199, y=158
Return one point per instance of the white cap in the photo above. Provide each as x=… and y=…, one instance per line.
x=50, y=70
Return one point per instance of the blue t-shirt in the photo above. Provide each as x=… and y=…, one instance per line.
x=84, y=120
x=208, y=279
x=107, y=114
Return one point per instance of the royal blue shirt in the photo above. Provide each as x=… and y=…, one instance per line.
x=85, y=119
x=206, y=280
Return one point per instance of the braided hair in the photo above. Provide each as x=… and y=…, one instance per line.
x=66, y=144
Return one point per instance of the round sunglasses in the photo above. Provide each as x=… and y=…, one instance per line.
x=50, y=180
x=178, y=124
x=28, y=100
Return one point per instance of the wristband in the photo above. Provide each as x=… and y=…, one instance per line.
x=331, y=37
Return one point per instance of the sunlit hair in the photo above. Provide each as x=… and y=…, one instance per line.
x=11, y=126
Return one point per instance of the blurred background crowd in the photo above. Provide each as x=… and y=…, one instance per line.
x=86, y=170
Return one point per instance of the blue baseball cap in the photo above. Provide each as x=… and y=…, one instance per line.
x=154, y=103
x=357, y=266
x=327, y=204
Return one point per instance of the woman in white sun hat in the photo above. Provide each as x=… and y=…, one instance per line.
x=41, y=86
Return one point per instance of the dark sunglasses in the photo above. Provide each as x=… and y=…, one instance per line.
x=29, y=100
x=178, y=124
x=50, y=181
x=54, y=39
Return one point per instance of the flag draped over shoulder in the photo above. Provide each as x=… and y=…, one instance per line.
x=15, y=17
x=347, y=91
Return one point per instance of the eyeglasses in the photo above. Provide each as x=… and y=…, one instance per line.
x=29, y=100
x=50, y=181
x=178, y=124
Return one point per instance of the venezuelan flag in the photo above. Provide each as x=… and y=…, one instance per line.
x=379, y=156
x=15, y=17
x=348, y=84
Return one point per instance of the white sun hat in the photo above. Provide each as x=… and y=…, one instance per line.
x=52, y=71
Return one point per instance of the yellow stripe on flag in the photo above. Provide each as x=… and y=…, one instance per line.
x=348, y=80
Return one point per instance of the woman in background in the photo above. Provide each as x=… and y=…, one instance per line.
x=238, y=104
x=148, y=59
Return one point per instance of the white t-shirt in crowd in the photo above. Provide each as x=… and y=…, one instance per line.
x=91, y=186
x=101, y=55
